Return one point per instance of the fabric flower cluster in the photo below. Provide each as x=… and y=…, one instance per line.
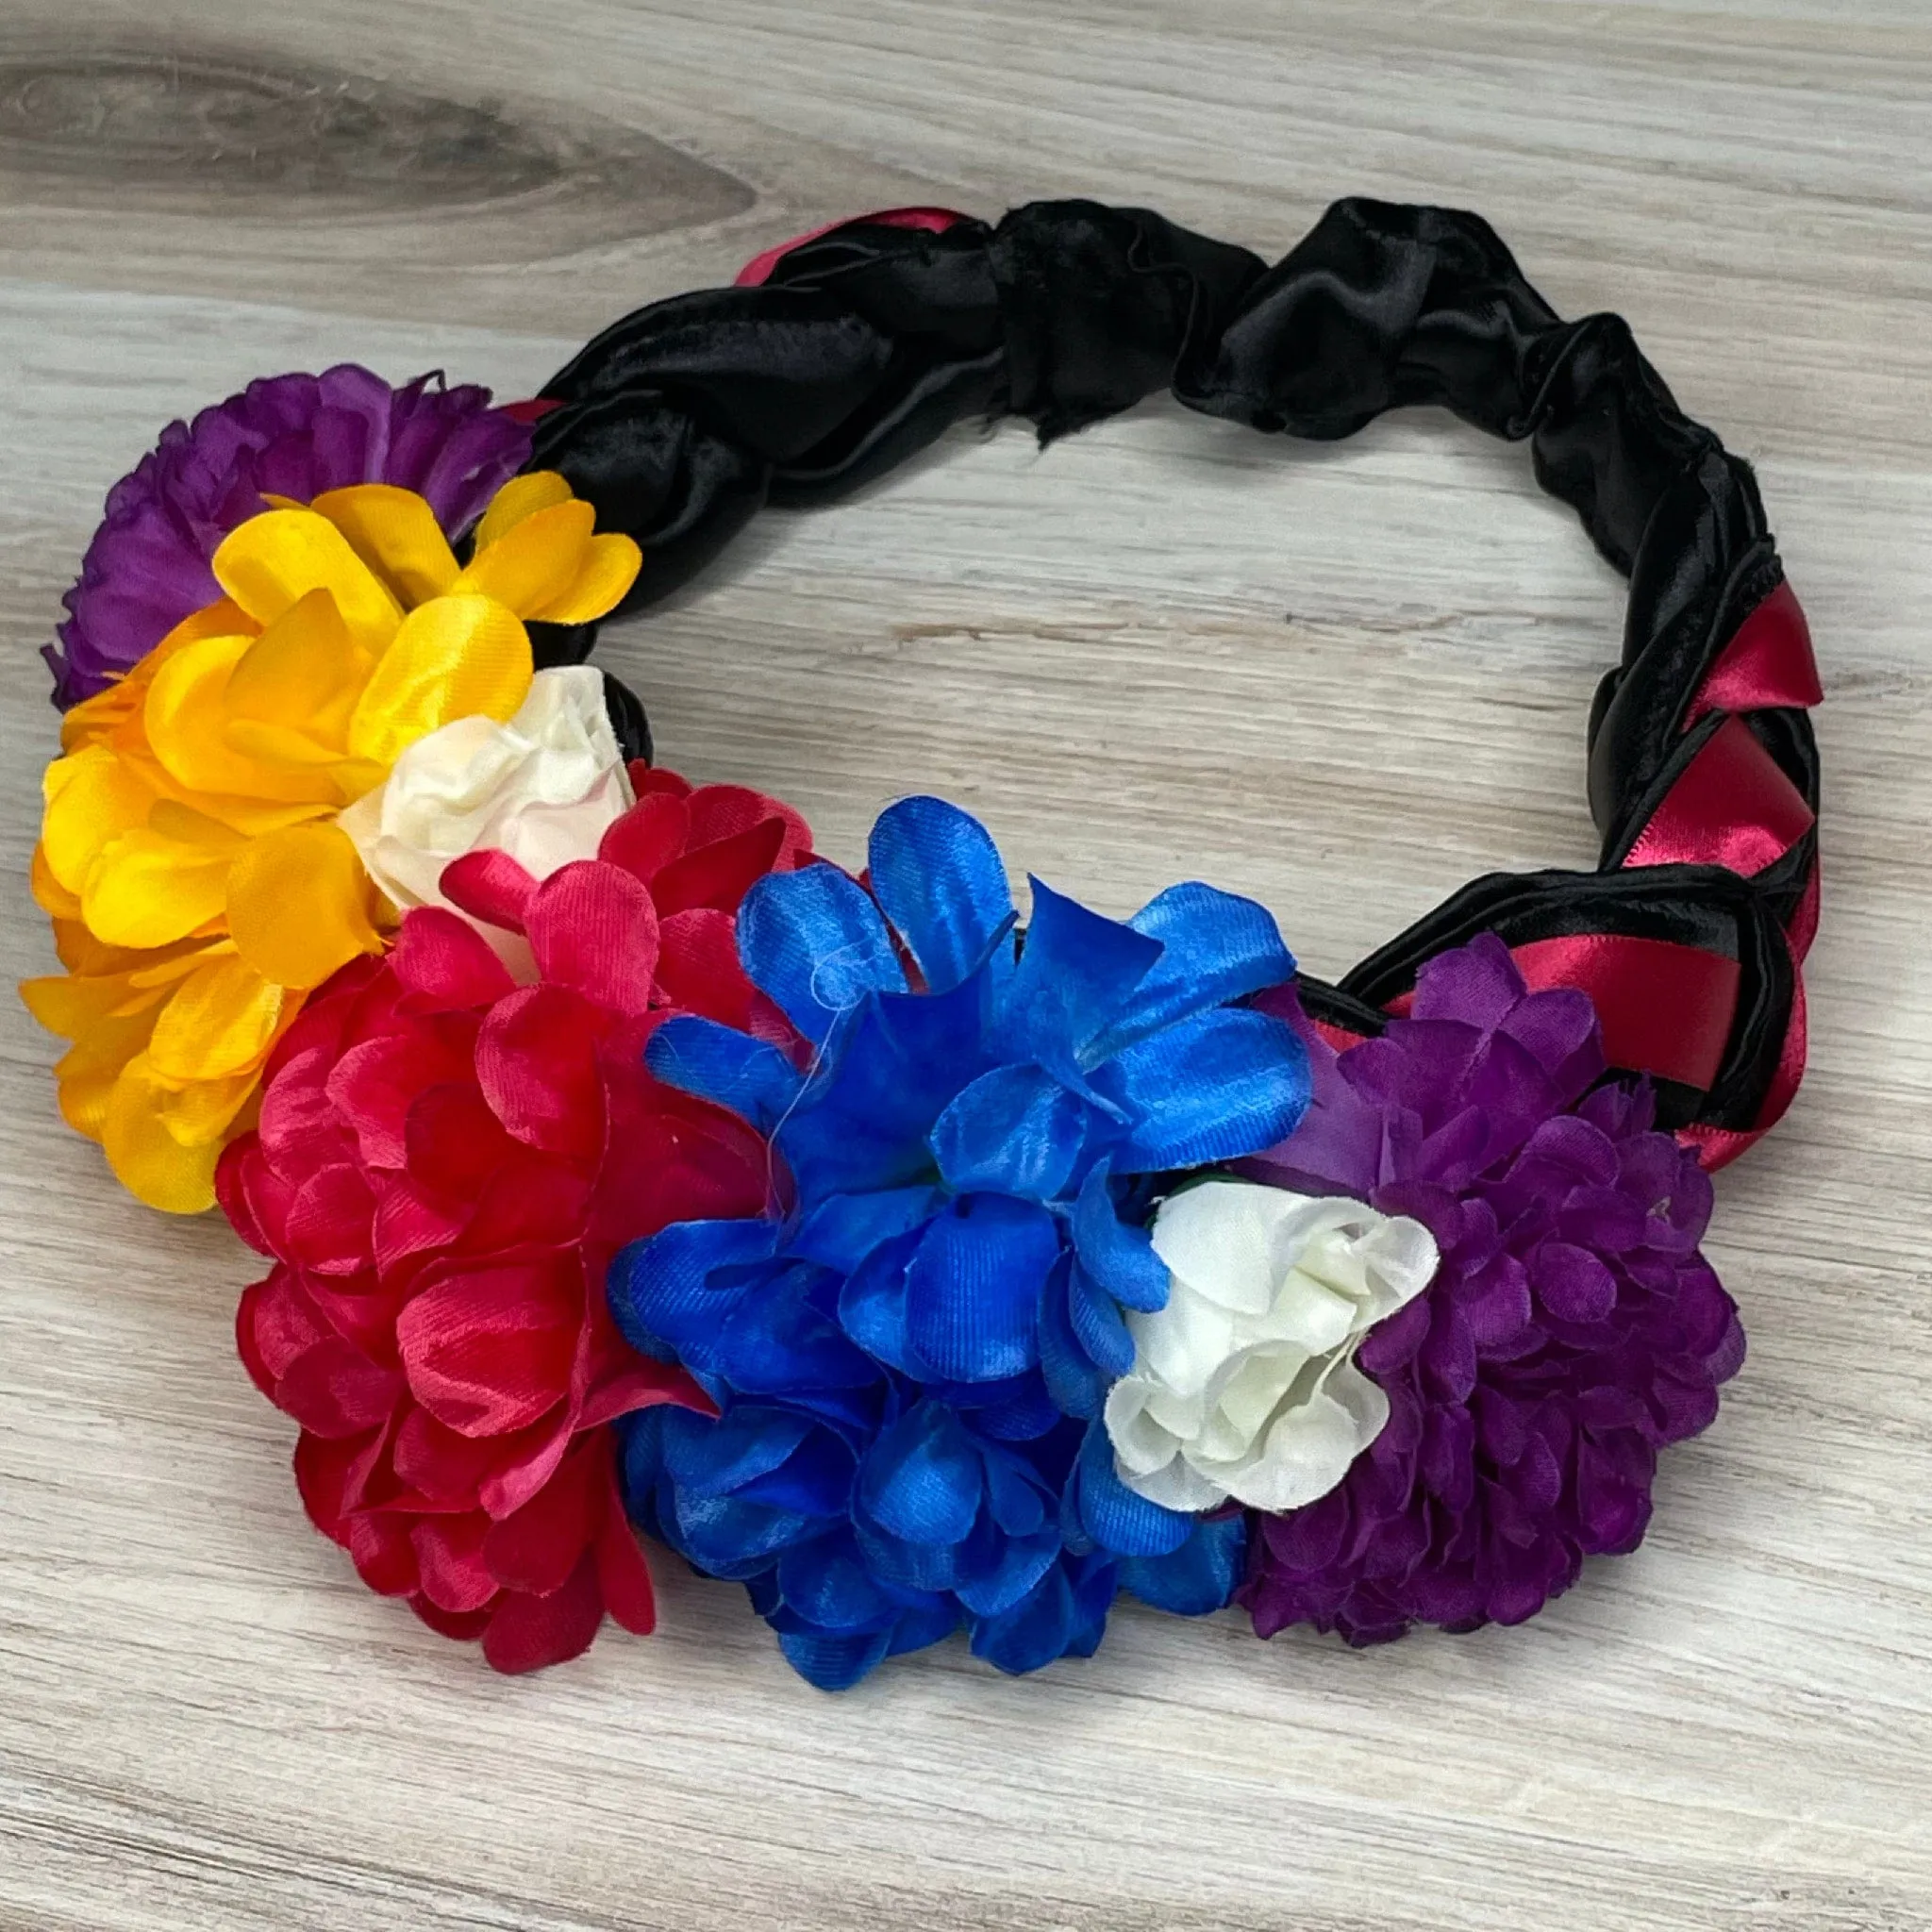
x=293, y=438
x=445, y=1163
x=1573, y=1330
x=190, y=852
x=910, y=1363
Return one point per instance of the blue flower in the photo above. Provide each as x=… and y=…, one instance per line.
x=909, y=1366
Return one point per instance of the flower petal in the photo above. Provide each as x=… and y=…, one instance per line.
x=459, y=657
x=938, y=878
x=298, y=905
x=814, y=941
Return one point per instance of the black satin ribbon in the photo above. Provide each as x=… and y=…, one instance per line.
x=681, y=420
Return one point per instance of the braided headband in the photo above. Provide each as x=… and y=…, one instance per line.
x=622, y=1162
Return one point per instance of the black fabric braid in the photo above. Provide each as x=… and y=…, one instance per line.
x=680, y=421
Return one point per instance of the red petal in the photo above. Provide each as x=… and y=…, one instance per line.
x=231, y=1190
x=699, y=970
x=537, y=1064
x=438, y=1464
x=449, y=1558
x=722, y=811
x=456, y=1144
x=282, y=1323
x=533, y=1201
x=621, y=1570
x=333, y=1389
x=650, y=781
x=299, y=1127
x=444, y=962
x=528, y=1632
x=247, y=1312
x=536, y=1548
x=719, y=874
x=322, y=1480
x=384, y=1556
x=491, y=1350
x=410, y=1225
x=649, y=835
x=594, y=929
x=490, y=886
x=465, y=1626
x=373, y=1086
x=329, y=1222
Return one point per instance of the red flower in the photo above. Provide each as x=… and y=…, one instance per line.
x=445, y=1163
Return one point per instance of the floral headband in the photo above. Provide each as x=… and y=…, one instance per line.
x=625, y=1166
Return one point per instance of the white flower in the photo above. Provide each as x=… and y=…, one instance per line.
x=543, y=788
x=1244, y=1385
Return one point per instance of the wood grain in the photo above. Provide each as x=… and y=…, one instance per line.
x=1343, y=679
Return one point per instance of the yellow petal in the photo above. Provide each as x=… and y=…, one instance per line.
x=219, y=1022
x=458, y=656
x=73, y=1003
x=88, y=1071
x=298, y=905
x=186, y=724
x=204, y=1110
x=610, y=568
x=535, y=562
x=93, y=798
x=305, y=671
x=50, y=895
x=148, y=889
x=521, y=496
x=395, y=533
x=274, y=560
x=147, y=1159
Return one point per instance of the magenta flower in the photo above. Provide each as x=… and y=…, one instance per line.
x=1573, y=1329
x=294, y=436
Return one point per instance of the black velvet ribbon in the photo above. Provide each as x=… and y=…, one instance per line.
x=681, y=420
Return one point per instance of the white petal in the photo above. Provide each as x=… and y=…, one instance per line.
x=1309, y=1312
x=1403, y=1258
x=1176, y=1487
x=1307, y=1452
x=1140, y=1442
x=1218, y=1238
x=1364, y=1400
x=1185, y=1343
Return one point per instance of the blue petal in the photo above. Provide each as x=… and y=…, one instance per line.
x=1200, y=1576
x=938, y=877
x=1014, y=1496
x=825, y=1583
x=1110, y=1513
x=1076, y=1387
x=830, y=1661
x=712, y=1456
x=730, y=1539
x=750, y=1077
x=972, y=1287
x=842, y=1229
x=1119, y=1257
x=1022, y=1563
x=779, y=1339
x=1016, y=1130
x=923, y=1479
x=1097, y=1325
x=1035, y=1631
x=1222, y=1084
x=1076, y=972
x=660, y=1290
x=927, y=1621
x=872, y=1307
x=814, y=941
x=1215, y=947
x=895, y=1070
x=815, y=1479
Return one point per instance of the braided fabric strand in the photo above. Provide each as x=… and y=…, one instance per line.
x=837, y=357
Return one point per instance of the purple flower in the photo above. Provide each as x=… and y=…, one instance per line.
x=294, y=436
x=1573, y=1330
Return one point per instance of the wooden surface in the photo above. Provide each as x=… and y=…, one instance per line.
x=1343, y=679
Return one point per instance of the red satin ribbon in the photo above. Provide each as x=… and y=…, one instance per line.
x=1731, y=806
x=934, y=221
x=532, y=410
x=1767, y=663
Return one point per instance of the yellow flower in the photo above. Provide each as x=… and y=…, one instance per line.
x=188, y=855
